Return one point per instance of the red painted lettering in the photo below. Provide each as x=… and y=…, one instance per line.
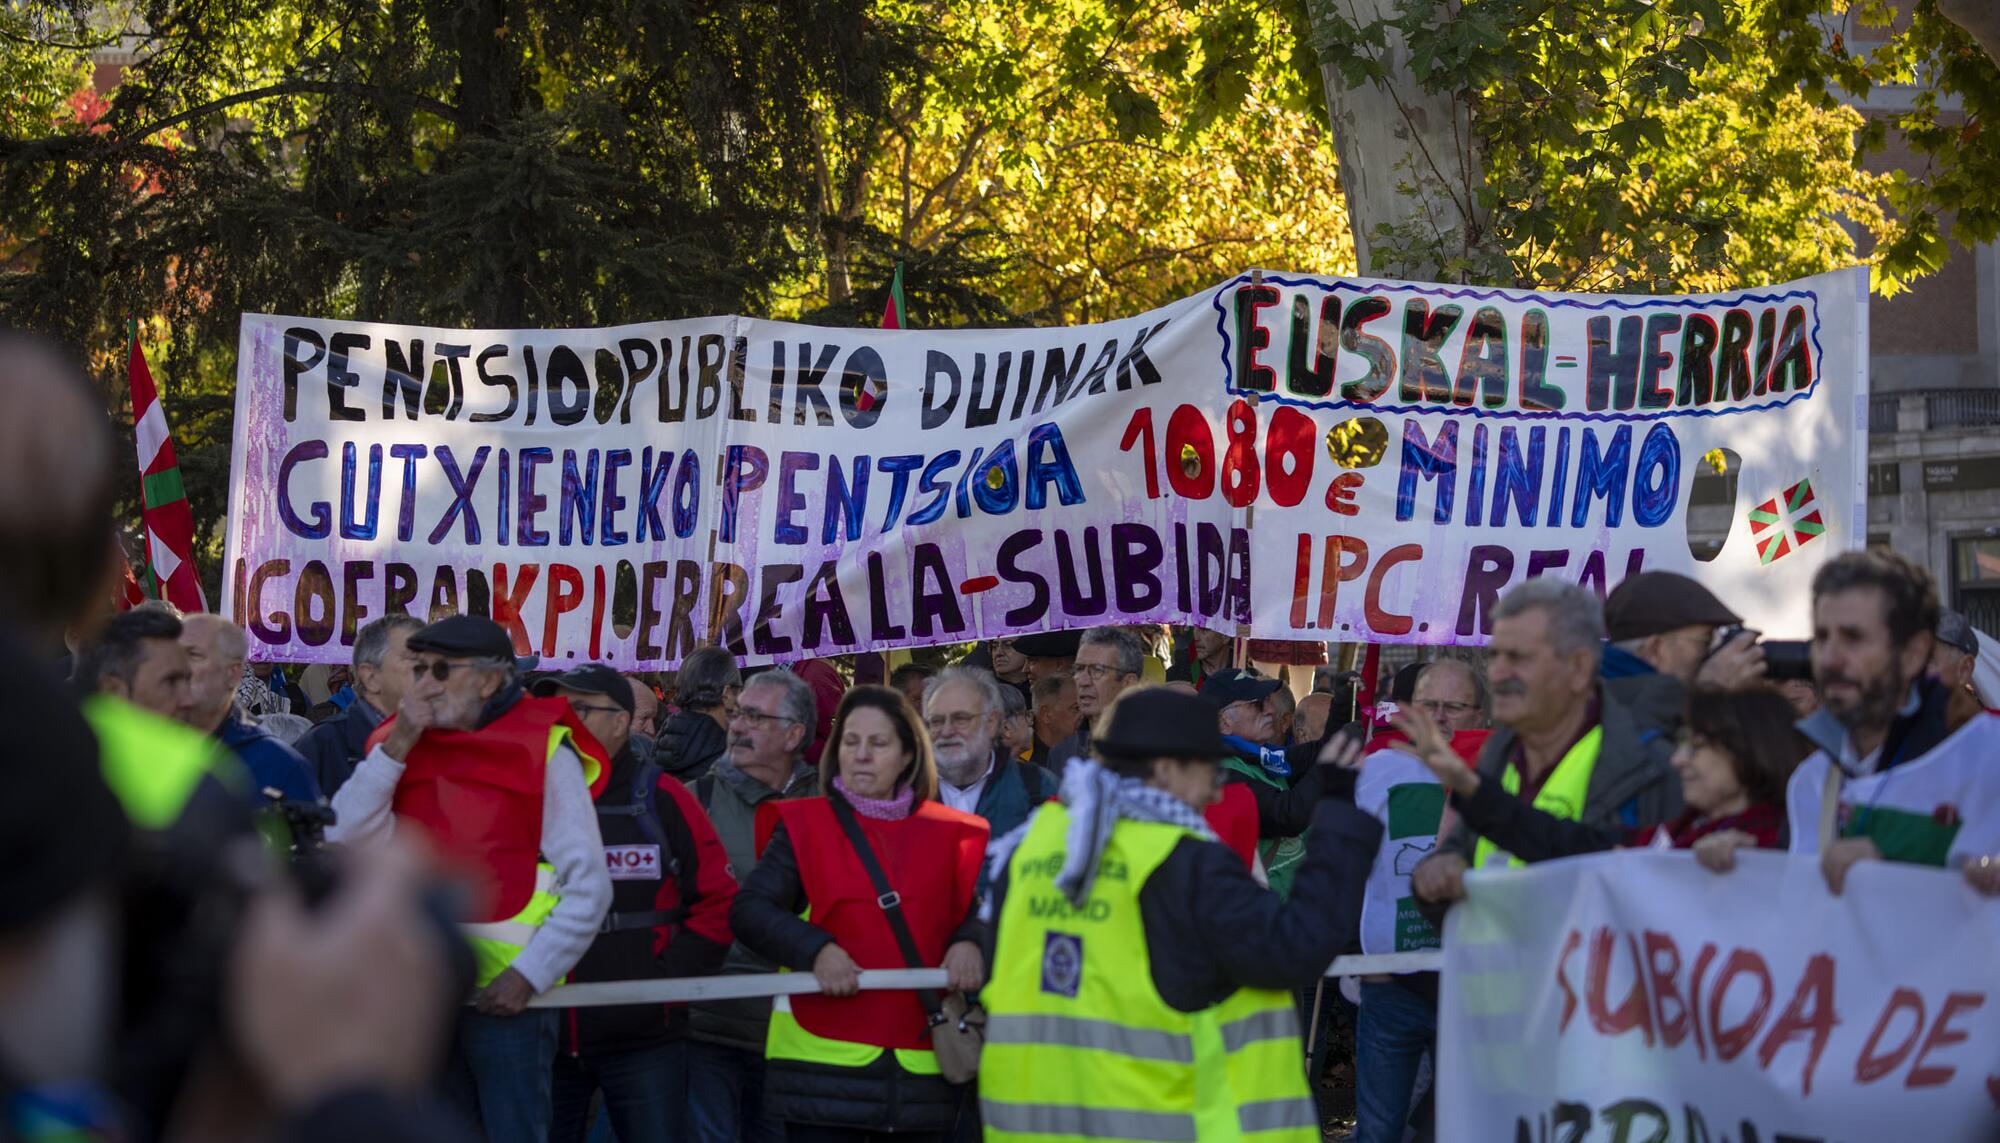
x=1942, y=1036
x=1632, y=1011
x=1870, y=1067
x=1815, y=988
x=1730, y=1042
x=1570, y=944
x=1663, y=964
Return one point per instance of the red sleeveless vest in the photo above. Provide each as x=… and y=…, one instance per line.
x=478, y=794
x=932, y=858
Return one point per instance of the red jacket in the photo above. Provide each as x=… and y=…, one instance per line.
x=932, y=858
x=478, y=794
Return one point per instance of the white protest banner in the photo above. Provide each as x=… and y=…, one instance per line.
x=1294, y=457
x=1636, y=996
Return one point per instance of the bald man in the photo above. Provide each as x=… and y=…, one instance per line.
x=216, y=649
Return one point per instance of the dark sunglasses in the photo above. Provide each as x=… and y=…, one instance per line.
x=438, y=669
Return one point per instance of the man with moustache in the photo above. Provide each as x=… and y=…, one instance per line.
x=1564, y=744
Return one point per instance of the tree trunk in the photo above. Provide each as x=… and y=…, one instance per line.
x=1979, y=18
x=1409, y=166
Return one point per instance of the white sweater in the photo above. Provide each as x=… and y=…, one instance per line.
x=570, y=843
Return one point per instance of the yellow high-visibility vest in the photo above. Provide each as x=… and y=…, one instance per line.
x=1080, y=1044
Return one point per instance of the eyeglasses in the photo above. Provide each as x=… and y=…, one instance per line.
x=597, y=709
x=439, y=669
x=960, y=721
x=756, y=718
x=1437, y=708
x=1097, y=671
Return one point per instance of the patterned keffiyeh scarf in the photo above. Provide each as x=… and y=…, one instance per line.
x=1096, y=798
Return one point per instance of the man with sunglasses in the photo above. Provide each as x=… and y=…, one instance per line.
x=671, y=893
x=503, y=784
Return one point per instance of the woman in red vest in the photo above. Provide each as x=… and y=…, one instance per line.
x=845, y=1064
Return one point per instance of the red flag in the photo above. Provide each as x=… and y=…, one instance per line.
x=892, y=318
x=170, y=571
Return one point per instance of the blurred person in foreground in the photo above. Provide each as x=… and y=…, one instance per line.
x=726, y=1069
x=336, y=1016
x=1890, y=780
x=671, y=893
x=216, y=649
x=1121, y=921
x=503, y=784
x=278, y=1015
x=383, y=669
x=1565, y=743
x=845, y=1064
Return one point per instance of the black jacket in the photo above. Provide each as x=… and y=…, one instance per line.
x=1631, y=787
x=689, y=743
x=880, y=1097
x=687, y=889
x=1211, y=929
x=333, y=748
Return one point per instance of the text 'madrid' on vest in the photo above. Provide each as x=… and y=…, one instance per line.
x=1080, y=1044
x=478, y=794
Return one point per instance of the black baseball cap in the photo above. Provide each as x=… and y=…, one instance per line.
x=1233, y=686
x=1655, y=602
x=1954, y=630
x=590, y=679
x=1049, y=644
x=1158, y=722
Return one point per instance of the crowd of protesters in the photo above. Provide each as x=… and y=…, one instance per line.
x=837, y=817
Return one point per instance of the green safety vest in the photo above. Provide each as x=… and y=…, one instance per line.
x=1561, y=796
x=1079, y=1043
x=152, y=763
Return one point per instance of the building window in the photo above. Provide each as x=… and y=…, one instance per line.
x=1975, y=575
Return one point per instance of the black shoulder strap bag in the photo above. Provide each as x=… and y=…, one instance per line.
x=957, y=1027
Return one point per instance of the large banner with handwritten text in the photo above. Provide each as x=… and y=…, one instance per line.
x=1284, y=456
x=1638, y=996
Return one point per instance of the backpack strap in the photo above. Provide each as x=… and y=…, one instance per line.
x=704, y=790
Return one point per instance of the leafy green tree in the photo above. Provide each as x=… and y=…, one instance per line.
x=1598, y=144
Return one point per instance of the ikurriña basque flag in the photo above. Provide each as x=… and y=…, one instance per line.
x=169, y=522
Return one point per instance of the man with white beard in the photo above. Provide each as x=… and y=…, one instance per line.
x=963, y=708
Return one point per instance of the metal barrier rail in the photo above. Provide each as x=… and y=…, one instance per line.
x=794, y=983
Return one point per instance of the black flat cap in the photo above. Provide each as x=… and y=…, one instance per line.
x=1233, y=686
x=1955, y=630
x=1655, y=602
x=1158, y=722
x=464, y=637
x=590, y=679
x=1050, y=644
